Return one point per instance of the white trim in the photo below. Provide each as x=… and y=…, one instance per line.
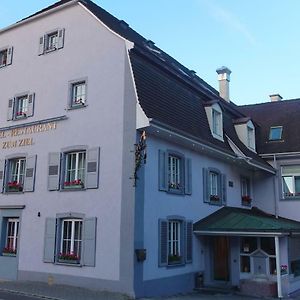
x=240, y=233
x=278, y=268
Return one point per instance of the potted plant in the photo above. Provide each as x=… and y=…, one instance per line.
x=14, y=186
x=174, y=259
x=9, y=251
x=74, y=184
x=68, y=258
x=246, y=200
x=283, y=269
x=214, y=198
x=175, y=186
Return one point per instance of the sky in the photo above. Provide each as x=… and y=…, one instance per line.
x=258, y=40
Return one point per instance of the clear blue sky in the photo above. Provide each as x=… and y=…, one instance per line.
x=259, y=40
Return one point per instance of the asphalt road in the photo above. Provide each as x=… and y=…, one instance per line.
x=14, y=296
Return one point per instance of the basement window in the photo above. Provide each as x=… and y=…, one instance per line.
x=275, y=133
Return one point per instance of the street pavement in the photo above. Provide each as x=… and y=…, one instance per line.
x=27, y=290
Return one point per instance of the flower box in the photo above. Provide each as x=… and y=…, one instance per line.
x=174, y=259
x=174, y=186
x=69, y=261
x=14, y=186
x=246, y=200
x=75, y=184
x=68, y=258
x=20, y=115
x=214, y=198
x=9, y=254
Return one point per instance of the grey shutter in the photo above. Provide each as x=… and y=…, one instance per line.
x=188, y=241
x=49, y=243
x=89, y=242
x=92, y=172
x=163, y=243
x=53, y=171
x=30, y=174
x=9, y=56
x=10, y=110
x=41, y=45
x=30, y=107
x=206, y=190
x=188, y=177
x=224, y=186
x=61, y=37
x=2, y=174
x=162, y=170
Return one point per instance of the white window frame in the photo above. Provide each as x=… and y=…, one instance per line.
x=16, y=171
x=245, y=186
x=72, y=239
x=213, y=183
x=15, y=223
x=280, y=135
x=250, y=137
x=77, y=169
x=292, y=175
x=216, y=122
x=174, y=238
x=78, y=98
x=21, y=106
x=3, y=57
x=174, y=171
x=51, y=41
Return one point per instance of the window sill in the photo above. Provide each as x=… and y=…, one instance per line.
x=244, y=203
x=76, y=106
x=9, y=254
x=72, y=189
x=13, y=192
x=294, y=198
x=175, y=264
x=175, y=191
x=63, y=262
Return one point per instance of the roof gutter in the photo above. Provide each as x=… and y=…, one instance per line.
x=248, y=159
x=284, y=154
x=30, y=19
x=240, y=233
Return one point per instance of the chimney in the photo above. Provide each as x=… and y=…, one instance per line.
x=224, y=79
x=275, y=97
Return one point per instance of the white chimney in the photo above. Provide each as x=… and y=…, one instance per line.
x=224, y=79
x=275, y=97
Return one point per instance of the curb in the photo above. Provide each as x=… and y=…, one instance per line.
x=29, y=294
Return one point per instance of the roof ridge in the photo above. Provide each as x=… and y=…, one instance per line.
x=271, y=103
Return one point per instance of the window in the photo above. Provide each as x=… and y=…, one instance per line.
x=16, y=174
x=21, y=106
x=175, y=241
x=174, y=253
x=290, y=181
x=11, y=240
x=78, y=94
x=174, y=166
x=71, y=241
x=175, y=173
x=214, y=186
x=250, y=137
x=75, y=169
x=216, y=122
x=275, y=133
x=245, y=191
x=51, y=41
x=70, y=238
x=5, y=56
x=79, y=169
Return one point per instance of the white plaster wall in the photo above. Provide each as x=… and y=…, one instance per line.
x=91, y=51
x=160, y=204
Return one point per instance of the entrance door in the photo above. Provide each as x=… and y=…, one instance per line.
x=221, y=258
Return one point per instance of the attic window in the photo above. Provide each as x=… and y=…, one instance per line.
x=275, y=133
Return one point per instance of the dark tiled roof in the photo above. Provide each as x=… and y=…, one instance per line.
x=231, y=219
x=168, y=91
x=285, y=113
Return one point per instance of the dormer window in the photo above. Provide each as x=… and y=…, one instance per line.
x=245, y=130
x=275, y=133
x=250, y=137
x=215, y=119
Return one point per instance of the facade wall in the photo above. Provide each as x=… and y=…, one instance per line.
x=108, y=121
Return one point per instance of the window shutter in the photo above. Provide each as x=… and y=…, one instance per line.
x=188, y=241
x=163, y=243
x=61, y=37
x=224, y=186
x=53, y=171
x=92, y=169
x=2, y=174
x=188, y=177
x=89, y=242
x=206, y=190
x=30, y=174
x=49, y=243
x=10, y=111
x=41, y=45
x=162, y=170
x=30, y=107
x=9, y=56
